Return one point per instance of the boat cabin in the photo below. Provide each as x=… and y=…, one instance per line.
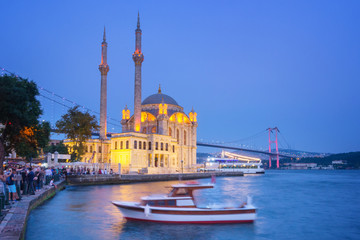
x=181, y=195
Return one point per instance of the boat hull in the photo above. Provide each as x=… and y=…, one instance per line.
x=186, y=215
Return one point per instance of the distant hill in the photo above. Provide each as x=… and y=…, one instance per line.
x=352, y=159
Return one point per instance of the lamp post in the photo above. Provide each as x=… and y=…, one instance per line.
x=182, y=166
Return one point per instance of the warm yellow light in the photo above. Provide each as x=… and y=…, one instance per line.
x=143, y=116
x=165, y=109
x=137, y=127
x=160, y=108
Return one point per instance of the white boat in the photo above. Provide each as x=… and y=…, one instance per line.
x=232, y=162
x=179, y=206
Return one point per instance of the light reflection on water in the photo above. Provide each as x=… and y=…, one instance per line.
x=291, y=205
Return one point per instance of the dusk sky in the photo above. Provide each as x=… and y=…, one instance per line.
x=243, y=65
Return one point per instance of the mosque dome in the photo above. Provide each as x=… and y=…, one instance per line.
x=158, y=98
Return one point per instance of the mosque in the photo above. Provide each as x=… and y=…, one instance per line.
x=158, y=138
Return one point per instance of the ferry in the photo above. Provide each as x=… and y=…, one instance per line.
x=231, y=162
x=179, y=206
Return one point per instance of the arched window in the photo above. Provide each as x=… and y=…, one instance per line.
x=86, y=148
x=91, y=150
x=149, y=145
x=161, y=146
x=115, y=144
x=139, y=144
x=173, y=148
x=135, y=144
x=153, y=130
x=167, y=147
x=144, y=130
x=170, y=131
x=99, y=149
x=184, y=137
x=121, y=145
x=127, y=144
x=144, y=145
x=156, y=146
x=178, y=135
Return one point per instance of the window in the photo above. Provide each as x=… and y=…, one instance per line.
x=135, y=144
x=121, y=145
x=144, y=130
x=127, y=144
x=86, y=148
x=170, y=131
x=171, y=202
x=99, y=149
x=156, y=146
x=144, y=145
x=161, y=146
x=177, y=135
x=167, y=147
x=91, y=149
x=149, y=145
x=153, y=130
x=173, y=148
x=139, y=144
x=115, y=144
x=184, y=137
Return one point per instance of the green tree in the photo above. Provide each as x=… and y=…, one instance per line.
x=77, y=126
x=19, y=111
x=60, y=148
x=32, y=139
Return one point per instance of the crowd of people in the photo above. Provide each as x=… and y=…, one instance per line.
x=18, y=181
x=87, y=171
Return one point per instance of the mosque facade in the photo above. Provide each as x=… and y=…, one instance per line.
x=160, y=137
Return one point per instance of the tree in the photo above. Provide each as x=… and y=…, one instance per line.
x=19, y=111
x=60, y=148
x=77, y=127
x=32, y=139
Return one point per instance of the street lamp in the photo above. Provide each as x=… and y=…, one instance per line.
x=182, y=166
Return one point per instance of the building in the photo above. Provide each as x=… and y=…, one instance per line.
x=158, y=138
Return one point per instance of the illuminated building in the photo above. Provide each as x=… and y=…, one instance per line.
x=158, y=138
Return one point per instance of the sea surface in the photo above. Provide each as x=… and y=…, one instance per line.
x=309, y=204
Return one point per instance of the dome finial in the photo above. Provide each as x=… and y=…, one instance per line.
x=159, y=91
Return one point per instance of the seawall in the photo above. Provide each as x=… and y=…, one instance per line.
x=13, y=226
x=133, y=178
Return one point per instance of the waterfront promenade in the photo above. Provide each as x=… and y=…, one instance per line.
x=13, y=225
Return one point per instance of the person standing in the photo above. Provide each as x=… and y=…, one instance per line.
x=10, y=181
x=18, y=178
x=31, y=176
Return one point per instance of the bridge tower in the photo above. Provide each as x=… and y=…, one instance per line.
x=276, y=143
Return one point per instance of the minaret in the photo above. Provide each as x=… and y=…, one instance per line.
x=138, y=58
x=104, y=69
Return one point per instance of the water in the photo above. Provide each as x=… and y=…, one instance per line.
x=291, y=205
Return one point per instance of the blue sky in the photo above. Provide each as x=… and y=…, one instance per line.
x=243, y=65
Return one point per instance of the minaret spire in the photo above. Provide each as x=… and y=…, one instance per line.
x=104, y=37
x=138, y=22
x=138, y=58
x=104, y=69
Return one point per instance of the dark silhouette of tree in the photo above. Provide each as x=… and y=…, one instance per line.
x=77, y=126
x=19, y=114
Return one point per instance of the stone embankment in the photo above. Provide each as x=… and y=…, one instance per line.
x=13, y=226
x=133, y=178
